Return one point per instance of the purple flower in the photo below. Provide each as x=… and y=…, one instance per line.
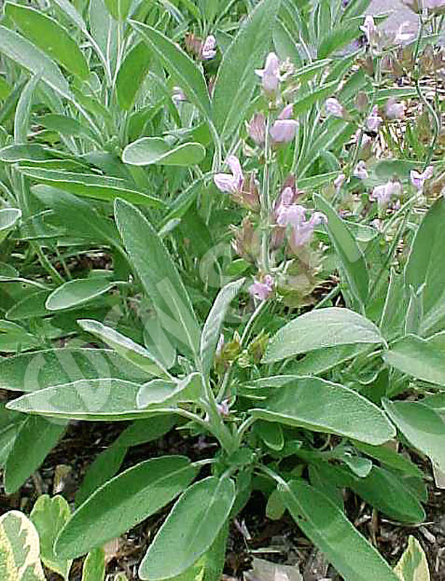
x=284, y=128
x=257, y=128
x=262, y=290
x=418, y=179
x=394, y=110
x=361, y=171
x=231, y=183
x=270, y=75
x=383, y=194
x=334, y=107
x=208, y=48
x=374, y=120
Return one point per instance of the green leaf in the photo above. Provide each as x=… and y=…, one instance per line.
x=329, y=529
x=191, y=527
x=94, y=566
x=385, y=491
x=77, y=292
x=132, y=72
x=425, y=268
x=125, y=347
x=8, y=219
x=390, y=458
x=319, y=329
x=123, y=502
x=50, y=36
x=413, y=564
x=19, y=548
x=91, y=186
x=351, y=257
x=303, y=105
x=49, y=515
x=323, y=406
x=118, y=8
x=30, y=372
x=417, y=357
x=236, y=79
x=184, y=71
x=159, y=277
x=33, y=59
x=36, y=438
x=23, y=110
x=169, y=393
x=94, y=399
x=156, y=151
x=337, y=38
x=63, y=124
x=421, y=426
x=214, y=322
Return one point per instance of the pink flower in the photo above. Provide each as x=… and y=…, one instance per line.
x=339, y=181
x=370, y=31
x=418, y=179
x=403, y=35
x=301, y=229
x=231, y=183
x=284, y=129
x=394, y=110
x=334, y=107
x=374, y=120
x=270, y=75
x=361, y=171
x=383, y=194
x=257, y=128
x=262, y=290
x=208, y=48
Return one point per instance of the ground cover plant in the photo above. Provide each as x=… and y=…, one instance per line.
x=225, y=220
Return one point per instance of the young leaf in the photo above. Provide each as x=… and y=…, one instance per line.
x=323, y=406
x=118, y=8
x=94, y=566
x=425, y=268
x=156, y=151
x=125, y=347
x=50, y=36
x=182, y=68
x=8, y=219
x=30, y=372
x=329, y=529
x=351, y=257
x=33, y=59
x=49, y=515
x=421, y=426
x=158, y=276
x=413, y=564
x=77, y=292
x=19, y=548
x=215, y=319
x=236, y=79
x=419, y=358
x=92, y=186
x=319, y=329
x=23, y=110
x=123, y=502
x=36, y=438
x=131, y=74
x=191, y=527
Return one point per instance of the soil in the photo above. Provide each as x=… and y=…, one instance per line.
x=252, y=535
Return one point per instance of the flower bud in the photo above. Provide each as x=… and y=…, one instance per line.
x=270, y=75
x=334, y=108
x=261, y=291
x=394, y=110
x=257, y=129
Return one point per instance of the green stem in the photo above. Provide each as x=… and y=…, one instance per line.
x=265, y=203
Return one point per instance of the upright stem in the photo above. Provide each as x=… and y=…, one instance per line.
x=265, y=202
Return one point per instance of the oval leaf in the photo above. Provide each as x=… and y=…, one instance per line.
x=319, y=329
x=190, y=528
x=156, y=151
x=123, y=502
x=19, y=548
x=77, y=292
x=322, y=406
x=329, y=529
